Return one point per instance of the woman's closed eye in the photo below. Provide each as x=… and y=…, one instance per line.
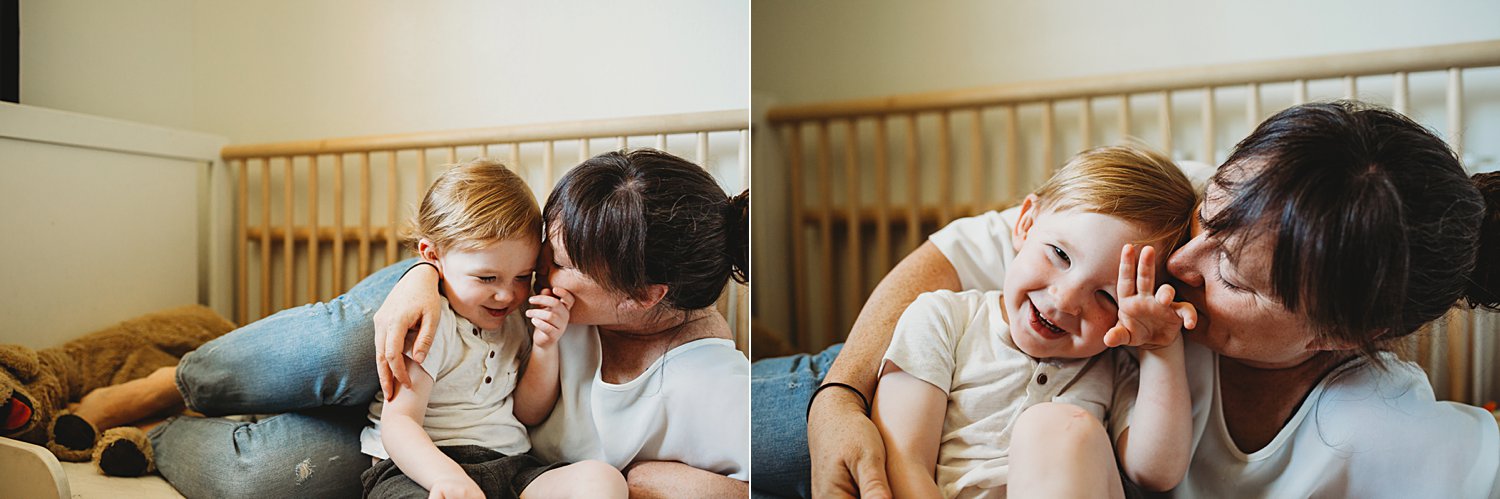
x=1219, y=275
x=485, y=278
x=524, y=277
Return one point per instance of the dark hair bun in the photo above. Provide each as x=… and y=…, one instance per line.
x=737, y=222
x=1484, y=285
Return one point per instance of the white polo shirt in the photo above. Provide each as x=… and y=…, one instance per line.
x=961, y=343
x=474, y=374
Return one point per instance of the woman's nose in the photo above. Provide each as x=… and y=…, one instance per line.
x=1185, y=263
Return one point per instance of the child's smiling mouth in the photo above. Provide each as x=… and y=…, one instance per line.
x=1044, y=327
x=497, y=312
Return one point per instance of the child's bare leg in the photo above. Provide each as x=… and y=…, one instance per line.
x=581, y=479
x=1060, y=450
x=131, y=401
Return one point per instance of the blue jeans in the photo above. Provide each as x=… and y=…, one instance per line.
x=780, y=389
x=315, y=364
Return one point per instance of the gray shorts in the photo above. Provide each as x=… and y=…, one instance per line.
x=498, y=475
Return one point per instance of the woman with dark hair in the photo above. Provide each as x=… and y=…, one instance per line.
x=1332, y=231
x=645, y=242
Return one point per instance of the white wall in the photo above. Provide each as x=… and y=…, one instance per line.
x=284, y=69
x=843, y=49
x=103, y=220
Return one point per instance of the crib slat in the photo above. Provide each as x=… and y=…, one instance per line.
x=515, y=158
x=1252, y=105
x=583, y=150
x=1399, y=95
x=745, y=158
x=338, y=224
x=976, y=172
x=1299, y=92
x=1047, y=139
x=825, y=230
x=484, y=151
x=312, y=221
x=661, y=141
x=1086, y=123
x=390, y=208
x=1456, y=111
x=452, y=155
x=624, y=143
x=364, y=214
x=801, y=277
x=1351, y=90
x=913, y=186
x=265, y=237
x=882, y=198
x=1012, y=154
x=242, y=258
x=1124, y=117
x=703, y=149
x=945, y=169
x=1460, y=338
x=853, y=295
x=1208, y=125
x=548, y=163
x=422, y=184
x=288, y=245
x=1164, y=116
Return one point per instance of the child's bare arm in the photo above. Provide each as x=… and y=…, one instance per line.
x=1154, y=449
x=909, y=414
x=539, y=387
x=408, y=444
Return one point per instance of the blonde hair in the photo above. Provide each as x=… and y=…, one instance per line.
x=474, y=204
x=1127, y=181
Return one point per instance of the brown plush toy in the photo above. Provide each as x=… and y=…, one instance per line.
x=37, y=385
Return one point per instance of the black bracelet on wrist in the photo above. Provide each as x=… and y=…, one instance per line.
x=418, y=264
x=831, y=384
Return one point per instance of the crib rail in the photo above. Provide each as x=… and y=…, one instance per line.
x=307, y=237
x=871, y=178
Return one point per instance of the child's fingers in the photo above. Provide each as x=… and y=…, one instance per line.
x=1145, y=271
x=1187, y=312
x=1117, y=336
x=1125, y=286
x=544, y=327
x=1165, y=293
x=566, y=297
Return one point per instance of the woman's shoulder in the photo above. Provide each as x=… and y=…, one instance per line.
x=1393, y=404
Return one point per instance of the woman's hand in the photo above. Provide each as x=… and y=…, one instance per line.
x=848, y=455
x=455, y=489
x=1147, y=320
x=413, y=304
x=549, y=316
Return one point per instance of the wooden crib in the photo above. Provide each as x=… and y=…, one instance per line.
x=313, y=217
x=871, y=178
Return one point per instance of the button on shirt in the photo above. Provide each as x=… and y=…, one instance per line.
x=960, y=343
x=474, y=374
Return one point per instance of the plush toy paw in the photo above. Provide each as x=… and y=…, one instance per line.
x=124, y=451
x=73, y=438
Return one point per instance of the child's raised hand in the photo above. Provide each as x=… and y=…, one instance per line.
x=549, y=315
x=1147, y=320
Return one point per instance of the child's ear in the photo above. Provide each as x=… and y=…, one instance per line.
x=427, y=251
x=1026, y=218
